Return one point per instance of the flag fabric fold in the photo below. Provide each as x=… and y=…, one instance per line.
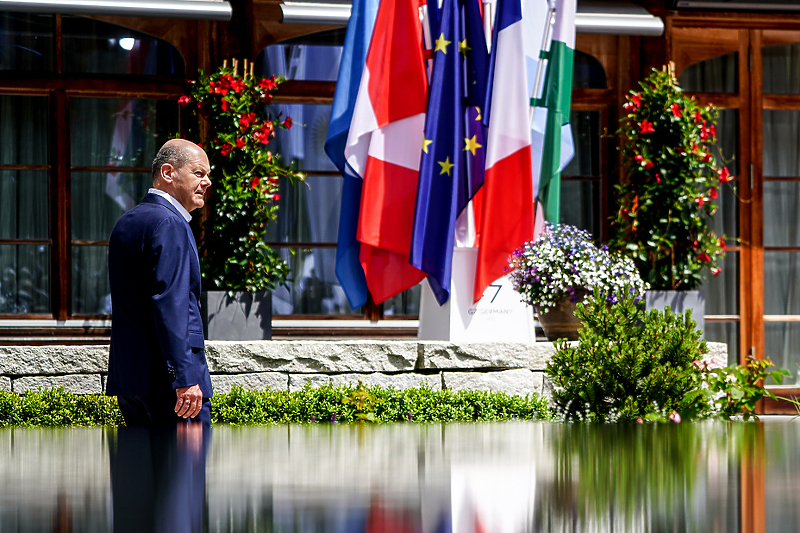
x=554, y=146
x=356, y=44
x=452, y=163
x=507, y=213
x=384, y=145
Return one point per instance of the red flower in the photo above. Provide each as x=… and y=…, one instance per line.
x=225, y=149
x=225, y=105
x=237, y=85
x=638, y=158
x=276, y=197
x=716, y=271
x=698, y=118
x=701, y=201
x=240, y=142
x=722, y=243
x=183, y=100
x=648, y=165
x=676, y=110
x=636, y=100
x=703, y=257
x=658, y=177
x=724, y=175
x=706, y=158
x=246, y=119
x=287, y=122
x=712, y=130
x=646, y=127
x=713, y=194
x=268, y=83
x=255, y=182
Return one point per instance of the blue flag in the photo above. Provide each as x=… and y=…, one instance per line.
x=356, y=45
x=451, y=169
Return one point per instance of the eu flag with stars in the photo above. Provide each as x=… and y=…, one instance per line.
x=452, y=165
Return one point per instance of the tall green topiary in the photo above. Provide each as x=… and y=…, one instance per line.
x=629, y=365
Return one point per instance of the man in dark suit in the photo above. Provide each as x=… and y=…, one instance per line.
x=157, y=366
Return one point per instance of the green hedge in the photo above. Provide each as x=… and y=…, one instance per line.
x=55, y=407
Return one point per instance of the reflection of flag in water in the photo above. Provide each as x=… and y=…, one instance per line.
x=507, y=217
x=356, y=44
x=383, y=147
x=551, y=133
x=453, y=148
x=384, y=520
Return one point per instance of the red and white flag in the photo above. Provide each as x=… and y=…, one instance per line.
x=507, y=211
x=384, y=147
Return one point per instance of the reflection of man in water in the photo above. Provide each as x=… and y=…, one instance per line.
x=158, y=479
x=157, y=366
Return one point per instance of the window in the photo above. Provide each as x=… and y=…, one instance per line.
x=75, y=155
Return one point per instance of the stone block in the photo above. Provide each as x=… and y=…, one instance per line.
x=439, y=354
x=38, y=360
x=519, y=381
x=398, y=381
x=717, y=356
x=311, y=356
x=298, y=381
x=75, y=383
x=5, y=383
x=223, y=383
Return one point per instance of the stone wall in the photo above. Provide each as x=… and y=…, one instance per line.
x=514, y=368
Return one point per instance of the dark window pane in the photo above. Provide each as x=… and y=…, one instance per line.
x=23, y=119
x=96, y=47
x=716, y=75
x=404, y=304
x=781, y=138
x=588, y=72
x=304, y=144
x=313, y=289
x=781, y=283
x=586, y=136
x=722, y=290
x=24, y=204
x=100, y=198
x=91, y=293
x=726, y=149
x=781, y=213
x=781, y=65
x=308, y=211
x=24, y=278
x=310, y=57
x=120, y=132
x=580, y=205
x=727, y=332
x=27, y=42
x=782, y=345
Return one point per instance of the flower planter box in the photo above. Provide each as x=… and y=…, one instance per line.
x=244, y=317
x=678, y=302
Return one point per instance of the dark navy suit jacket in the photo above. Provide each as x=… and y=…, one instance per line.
x=156, y=328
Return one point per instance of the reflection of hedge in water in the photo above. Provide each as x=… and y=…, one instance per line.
x=55, y=407
x=643, y=477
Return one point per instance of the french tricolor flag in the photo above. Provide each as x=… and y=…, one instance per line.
x=384, y=147
x=508, y=210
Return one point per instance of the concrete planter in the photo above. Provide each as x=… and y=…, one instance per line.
x=243, y=317
x=678, y=302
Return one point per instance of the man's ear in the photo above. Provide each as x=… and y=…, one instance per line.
x=166, y=172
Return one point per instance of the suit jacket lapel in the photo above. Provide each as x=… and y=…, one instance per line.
x=151, y=198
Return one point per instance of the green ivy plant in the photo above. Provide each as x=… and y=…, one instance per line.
x=669, y=182
x=236, y=129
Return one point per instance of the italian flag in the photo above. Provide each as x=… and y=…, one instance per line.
x=555, y=102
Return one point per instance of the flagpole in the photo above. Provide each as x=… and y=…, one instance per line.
x=551, y=10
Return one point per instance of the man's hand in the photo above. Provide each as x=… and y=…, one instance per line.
x=190, y=401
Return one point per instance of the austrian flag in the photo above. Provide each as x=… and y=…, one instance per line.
x=384, y=147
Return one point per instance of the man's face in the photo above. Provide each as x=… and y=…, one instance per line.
x=191, y=181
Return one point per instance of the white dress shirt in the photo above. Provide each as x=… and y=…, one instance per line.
x=182, y=210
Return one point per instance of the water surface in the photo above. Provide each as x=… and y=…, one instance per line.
x=508, y=477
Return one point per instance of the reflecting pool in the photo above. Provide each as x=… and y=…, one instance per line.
x=508, y=477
